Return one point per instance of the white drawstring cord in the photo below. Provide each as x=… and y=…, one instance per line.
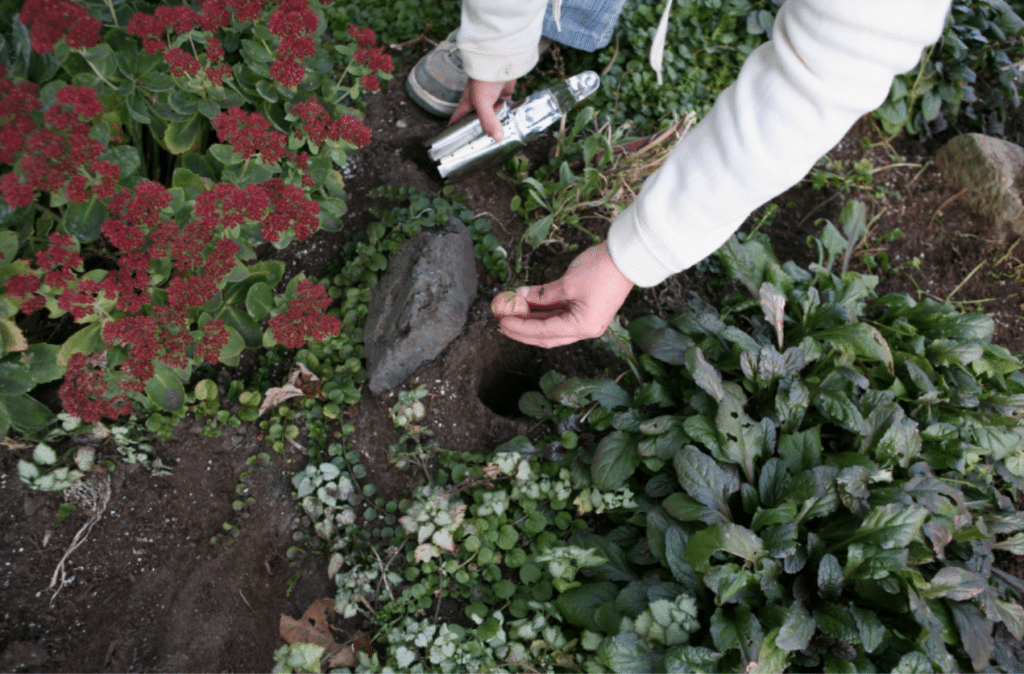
x=556, y=12
x=658, y=46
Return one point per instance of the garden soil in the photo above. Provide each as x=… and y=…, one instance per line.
x=147, y=591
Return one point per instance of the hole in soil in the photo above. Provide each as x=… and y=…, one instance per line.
x=500, y=392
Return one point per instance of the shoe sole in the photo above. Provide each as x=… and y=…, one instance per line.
x=426, y=100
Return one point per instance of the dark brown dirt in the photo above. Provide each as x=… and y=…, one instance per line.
x=148, y=591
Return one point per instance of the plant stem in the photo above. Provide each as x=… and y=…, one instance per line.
x=966, y=279
x=113, y=14
x=81, y=52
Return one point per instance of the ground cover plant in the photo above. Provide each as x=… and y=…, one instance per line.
x=801, y=475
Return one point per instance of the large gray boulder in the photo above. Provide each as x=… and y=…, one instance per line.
x=420, y=304
x=991, y=171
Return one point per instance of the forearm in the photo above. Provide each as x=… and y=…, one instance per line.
x=498, y=38
x=829, y=63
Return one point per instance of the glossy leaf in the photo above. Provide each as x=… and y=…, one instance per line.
x=164, y=388
x=614, y=461
x=731, y=538
x=83, y=221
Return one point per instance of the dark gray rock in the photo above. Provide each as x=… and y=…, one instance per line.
x=420, y=304
x=991, y=173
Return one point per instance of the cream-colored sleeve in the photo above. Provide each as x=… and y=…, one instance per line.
x=796, y=96
x=498, y=38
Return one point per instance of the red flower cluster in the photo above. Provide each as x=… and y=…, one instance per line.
x=249, y=133
x=293, y=22
x=45, y=158
x=153, y=28
x=364, y=36
x=376, y=59
x=246, y=10
x=50, y=20
x=17, y=103
x=305, y=318
x=182, y=63
x=290, y=208
x=354, y=131
x=369, y=83
x=150, y=30
x=84, y=392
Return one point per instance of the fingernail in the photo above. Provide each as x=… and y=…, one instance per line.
x=523, y=291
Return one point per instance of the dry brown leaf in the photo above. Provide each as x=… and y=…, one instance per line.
x=311, y=628
x=344, y=657
x=275, y=396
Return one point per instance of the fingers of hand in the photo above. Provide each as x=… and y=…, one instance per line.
x=509, y=303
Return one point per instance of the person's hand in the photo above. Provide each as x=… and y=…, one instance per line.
x=580, y=305
x=484, y=98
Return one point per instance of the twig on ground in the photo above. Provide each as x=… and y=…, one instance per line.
x=96, y=496
x=966, y=279
x=419, y=38
x=938, y=211
x=383, y=573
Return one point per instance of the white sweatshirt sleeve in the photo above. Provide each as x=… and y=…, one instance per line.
x=796, y=96
x=498, y=38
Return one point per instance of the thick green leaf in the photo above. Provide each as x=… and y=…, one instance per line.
x=942, y=352
x=675, y=554
x=28, y=416
x=534, y=404
x=956, y=584
x=12, y=339
x=747, y=262
x=41, y=362
x=238, y=319
x=795, y=634
x=164, y=388
x=871, y=562
x=125, y=156
x=666, y=344
x=871, y=629
x=183, y=136
x=861, y=340
x=745, y=439
x=5, y=419
x=738, y=628
x=687, y=509
x=890, y=526
x=702, y=430
x=616, y=566
x=773, y=303
x=627, y=653
x=537, y=232
x=731, y=538
x=259, y=301
x=83, y=221
x=705, y=375
x=614, y=461
x=14, y=379
x=830, y=578
x=771, y=659
x=975, y=633
x=914, y=663
x=704, y=480
x=684, y=659
x=773, y=483
x=86, y=340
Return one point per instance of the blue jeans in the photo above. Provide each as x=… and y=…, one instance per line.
x=586, y=24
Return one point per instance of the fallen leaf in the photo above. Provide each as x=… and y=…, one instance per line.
x=311, y=628
x=301, y=382
x=345, y=656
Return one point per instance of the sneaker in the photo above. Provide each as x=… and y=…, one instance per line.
x=437, y=81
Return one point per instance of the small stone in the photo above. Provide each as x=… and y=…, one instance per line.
x=402, y=124
x=420, y=304
x=991, y=171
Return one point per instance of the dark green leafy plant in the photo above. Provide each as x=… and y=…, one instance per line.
x=969, y=78
x=823, y=472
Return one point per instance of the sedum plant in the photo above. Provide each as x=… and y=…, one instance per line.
x=146, y=155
